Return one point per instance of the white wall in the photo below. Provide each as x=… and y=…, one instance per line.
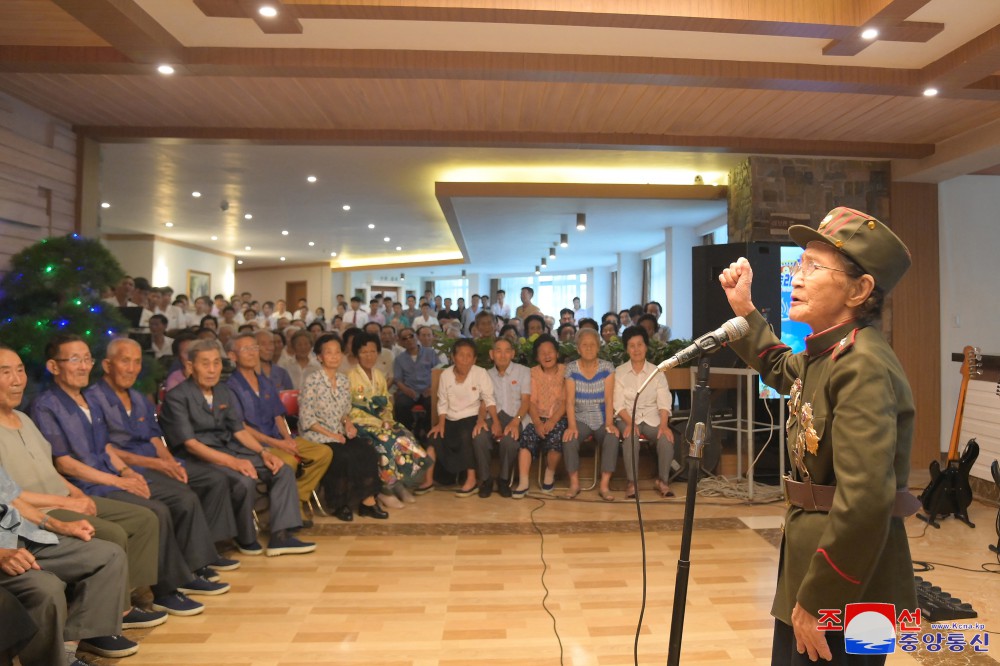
x=600, y=291
x=166, y=263
x=629, y=279
x=37, y=177
x=136, y=258
x=678, y=306
x=268, y=284
x=969, y=210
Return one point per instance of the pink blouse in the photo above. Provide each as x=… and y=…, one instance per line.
x=548, y=390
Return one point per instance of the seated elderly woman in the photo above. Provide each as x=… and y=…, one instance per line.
x=352, y=480
x=590, y=385
x=401, y=459
x=547, y=410
x=465, y=397
x=652, y=413
x=535, y=325
x=608, y=331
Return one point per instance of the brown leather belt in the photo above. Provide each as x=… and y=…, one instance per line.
x=810, y=496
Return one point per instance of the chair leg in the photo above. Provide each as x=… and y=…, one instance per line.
x=318, y=507
x=597, y=467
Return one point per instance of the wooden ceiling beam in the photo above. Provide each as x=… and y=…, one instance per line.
x=127, y=27
x=890, y=21
x=487, y=139
x=968, y=65
x=285, y=23
x=894, y=30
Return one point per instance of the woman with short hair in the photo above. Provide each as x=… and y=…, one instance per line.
x=547, y=410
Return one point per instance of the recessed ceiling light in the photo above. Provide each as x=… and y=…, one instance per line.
x=168, y=224
x=248, y=216
x=333, y=254
x=311, y=243
x=869, y=33
x=387, y=239
x=215, y=238
x=311, y=179
x=281, y=258
x=239, y=261
x=247, y=248
x=284, y=232
x=196, y=194
x=347, y=207
x=399, y=248
x=930, y=92
x=267, y=11
x=105, y=205
x=165, y=69
x=371, y=226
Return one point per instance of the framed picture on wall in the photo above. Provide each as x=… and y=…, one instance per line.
x=199, y=284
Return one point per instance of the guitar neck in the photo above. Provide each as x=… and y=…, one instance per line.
x=971, y=365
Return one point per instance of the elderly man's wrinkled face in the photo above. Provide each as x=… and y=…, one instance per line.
x=206, y=368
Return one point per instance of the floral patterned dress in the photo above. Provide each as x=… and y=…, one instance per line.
x=401, y=458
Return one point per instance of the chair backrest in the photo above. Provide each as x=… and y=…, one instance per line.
x=290, y=399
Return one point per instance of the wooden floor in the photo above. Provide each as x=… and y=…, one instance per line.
x=454, y=582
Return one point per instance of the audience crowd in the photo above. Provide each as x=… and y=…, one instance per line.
x=105, y=492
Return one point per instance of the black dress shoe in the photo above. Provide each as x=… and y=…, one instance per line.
x=503, y=487
x=372, y=512
x=486, y=488
x=344, y=513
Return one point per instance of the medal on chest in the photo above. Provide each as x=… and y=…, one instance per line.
x=800, y=414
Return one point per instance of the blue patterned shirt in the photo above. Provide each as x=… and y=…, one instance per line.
x=589, y=400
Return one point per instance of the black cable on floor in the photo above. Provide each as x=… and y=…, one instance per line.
x=545, y=567
x=642, y=529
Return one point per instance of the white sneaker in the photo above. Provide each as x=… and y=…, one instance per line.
x=403, y=493
x=389, y=501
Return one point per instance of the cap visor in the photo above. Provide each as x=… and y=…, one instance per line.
x=803, y=235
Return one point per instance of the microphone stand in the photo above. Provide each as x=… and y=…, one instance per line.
x=701, y=403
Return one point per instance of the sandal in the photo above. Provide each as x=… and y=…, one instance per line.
x=572, y=494
x=664, y=489
x=606, y=495
x=630, y=493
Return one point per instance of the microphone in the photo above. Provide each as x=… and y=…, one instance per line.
x=734, y=329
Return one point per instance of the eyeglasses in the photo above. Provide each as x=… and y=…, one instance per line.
x=248, y=348
x=406, y=337
x=76, y=360
x=809, y=267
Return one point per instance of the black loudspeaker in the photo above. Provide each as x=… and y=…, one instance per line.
x=710, y=307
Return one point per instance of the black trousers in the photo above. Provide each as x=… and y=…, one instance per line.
x=784, y=652
x=352, y=475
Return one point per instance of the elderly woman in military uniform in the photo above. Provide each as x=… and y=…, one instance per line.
x=850, y=432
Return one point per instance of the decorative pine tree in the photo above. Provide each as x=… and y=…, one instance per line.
x=54, y=286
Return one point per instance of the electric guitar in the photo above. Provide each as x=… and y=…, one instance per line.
x=949, y=492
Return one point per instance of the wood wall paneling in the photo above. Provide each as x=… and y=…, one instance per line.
x=916, y=311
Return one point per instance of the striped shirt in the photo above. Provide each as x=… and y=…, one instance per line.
x=589, y=402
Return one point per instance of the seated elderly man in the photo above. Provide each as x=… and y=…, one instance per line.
x=268, y=363
x=27, y=459
x=136, y=438
x=202, y=418
x=264, y=419
x=41, y=570
x=412, y=374
x=74, y=424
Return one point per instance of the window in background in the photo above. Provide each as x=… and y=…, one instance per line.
x=552, y=292
x=454, y=289
x=658, y=281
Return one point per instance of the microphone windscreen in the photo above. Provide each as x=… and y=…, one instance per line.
x=736, y=328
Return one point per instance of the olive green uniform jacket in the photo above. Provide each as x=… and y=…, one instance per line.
x=862, y=415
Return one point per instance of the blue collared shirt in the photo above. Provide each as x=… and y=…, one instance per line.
x=12, y=524
x=67, y=429
x=130, y=432
x=415, y=373
x=259, y=409
x=280, y=378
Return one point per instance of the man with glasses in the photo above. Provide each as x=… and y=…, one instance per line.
x=264, y=419
x=75, y=425
x=412, y=373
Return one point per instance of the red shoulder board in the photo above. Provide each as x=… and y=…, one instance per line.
x=845, y=344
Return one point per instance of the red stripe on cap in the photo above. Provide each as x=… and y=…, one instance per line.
x=838, y=224
x=835, y=568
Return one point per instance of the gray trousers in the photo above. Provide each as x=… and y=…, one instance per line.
x=185, y=542
x=212, y=489
x=76, y=594
x=609, y=448
x=482, y=446
x=664, y=450
x=133, y=528
x=283, y=496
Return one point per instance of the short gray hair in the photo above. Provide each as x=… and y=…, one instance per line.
x=199, y=346
x=584, y=332
x=231, y=345
x=115, y=343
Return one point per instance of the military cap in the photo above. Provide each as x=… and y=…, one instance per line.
x=865, y=240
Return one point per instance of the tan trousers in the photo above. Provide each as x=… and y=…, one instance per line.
x=315, y=459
